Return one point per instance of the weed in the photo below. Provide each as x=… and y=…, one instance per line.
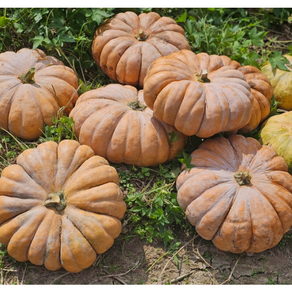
x=285, y=241
x=271, y=281
x=153, y=211
x=61, y=129
x=255, y=272
x=186, y=260
x=208, y=255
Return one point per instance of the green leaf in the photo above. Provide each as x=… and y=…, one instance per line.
x=257, y=37
x=3, y=20
x=67, y=38
x=173, y=137
x=136, y=209
x=182, y=18
x=188, y=26
x=99, y=15
x=186, y=160
x=278, y=61
x=37, y=40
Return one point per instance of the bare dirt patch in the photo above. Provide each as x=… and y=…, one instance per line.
x=135, y=261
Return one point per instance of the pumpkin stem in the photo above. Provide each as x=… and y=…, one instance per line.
x=56, y=201
x=203, y=77
x=141, y=36
x=136, y=105
x=28, y=76
x=242, y=178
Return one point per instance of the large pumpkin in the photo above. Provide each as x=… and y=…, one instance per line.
x=238, y=194
x=281, y=82
x=115, y=122
x=125, y=45
x=33, y=87
x=199, y=94
x=60, y=205
x=276, y=132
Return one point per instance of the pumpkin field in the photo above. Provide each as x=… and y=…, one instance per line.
x=146, y=146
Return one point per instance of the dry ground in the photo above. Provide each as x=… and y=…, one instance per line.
x=134, y=261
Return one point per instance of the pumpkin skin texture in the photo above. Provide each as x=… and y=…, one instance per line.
x=106, y=120
x=195, y=104
x=276, y=132
x=60, y=205
x=238, y=194
x=26, y=104
x=125, y=45
x=281, y=82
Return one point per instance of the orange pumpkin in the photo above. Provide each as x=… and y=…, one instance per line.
x=261, y=90
x=125, y=45
x=60, y=205
x=203, y=95
x=33, y=87
x=262, y=93
x=115, y=122
x=198, y=94
x=238, y=194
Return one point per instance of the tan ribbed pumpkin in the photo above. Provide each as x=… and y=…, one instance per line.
x=239, y=194
x=33, y=87
x=60, y=206
x=126, y=44
x=115, y=122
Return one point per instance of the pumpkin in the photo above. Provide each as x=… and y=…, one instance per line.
x=60, y=205
x=33, y=87
x=238, y=194
x=281, y=82
x=198, y=94
x=115, y=122
x=276, y=132
x=262, y=93
x=125, y=45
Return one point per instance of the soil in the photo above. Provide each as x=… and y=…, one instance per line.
x=135, y=261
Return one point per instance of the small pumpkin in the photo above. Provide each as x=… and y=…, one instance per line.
x=198, y=94
x=239, y=194
x=276, y=132
x=281, y=82
x=60, y=205
x=116, y=123
x=261, y=91
x=126, y=44
x=33, y=87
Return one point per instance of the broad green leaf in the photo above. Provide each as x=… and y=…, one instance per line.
x=278, y=61
x=3, y=20
x=182, y=18
x=19, y=27
x=67, y=38
x=188, y=27
x=37, y=40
